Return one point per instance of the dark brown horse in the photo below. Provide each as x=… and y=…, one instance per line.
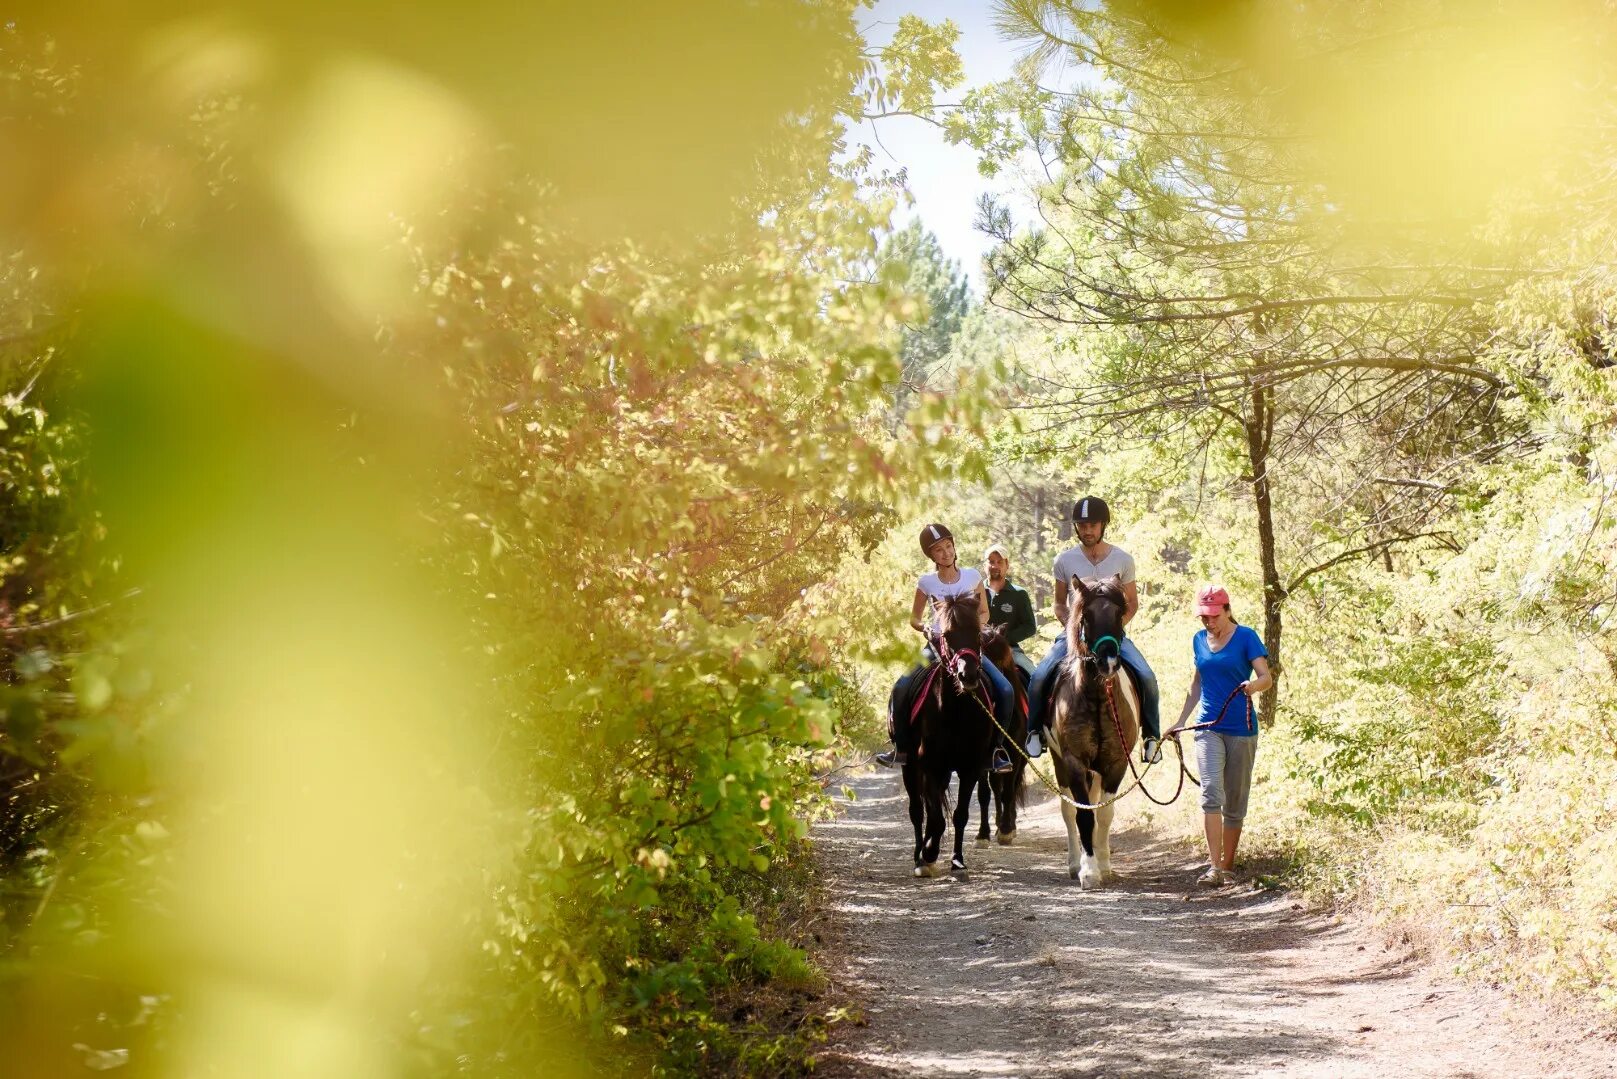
x=954, y=735
x=1007, y=788
x=1094, y=723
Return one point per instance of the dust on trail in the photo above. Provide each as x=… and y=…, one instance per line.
x=1012, y=970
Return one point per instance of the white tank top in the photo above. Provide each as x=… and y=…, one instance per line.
x=936, y=589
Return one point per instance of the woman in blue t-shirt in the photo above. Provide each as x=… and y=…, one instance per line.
x=1227, y=656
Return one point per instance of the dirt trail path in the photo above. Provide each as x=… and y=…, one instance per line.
x=1014, y=971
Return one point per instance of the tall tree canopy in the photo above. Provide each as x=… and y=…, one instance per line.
x=1221, y=280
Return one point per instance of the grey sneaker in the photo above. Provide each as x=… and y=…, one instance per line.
x=892, y=758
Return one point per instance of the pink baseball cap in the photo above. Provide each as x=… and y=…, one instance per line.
x=1211, y=599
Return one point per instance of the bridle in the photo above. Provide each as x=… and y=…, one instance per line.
x=1091, y=653
x=947, y=656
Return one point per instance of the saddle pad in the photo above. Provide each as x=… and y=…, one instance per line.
x=917, y=686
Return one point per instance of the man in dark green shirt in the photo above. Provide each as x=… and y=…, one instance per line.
x=1009, y=606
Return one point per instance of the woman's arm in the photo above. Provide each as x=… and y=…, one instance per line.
x=1192, y=698
x=917, y=610
x=1255, y=686
x=982, y=604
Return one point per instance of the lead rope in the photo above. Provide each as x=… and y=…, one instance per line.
x=1139, y=776
x=1045, y=783
x=1117, y=724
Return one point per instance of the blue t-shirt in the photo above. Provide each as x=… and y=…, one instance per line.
x=1221, y=672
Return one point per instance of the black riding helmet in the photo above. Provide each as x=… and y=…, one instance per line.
x=1091, y=509
x=934, y=534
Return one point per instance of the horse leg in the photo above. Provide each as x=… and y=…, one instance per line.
x=1103, y=832
x=1005, y=799
x=962, y=817
x=1089, y=867
x=1070, y=817
x=928, y=866
x=984, y=790
x=912, y=783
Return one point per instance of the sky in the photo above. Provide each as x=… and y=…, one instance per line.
x=943, y=178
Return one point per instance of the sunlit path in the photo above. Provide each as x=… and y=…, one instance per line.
x=1013, y=971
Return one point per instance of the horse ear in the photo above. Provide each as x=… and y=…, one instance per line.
x=1083, y=589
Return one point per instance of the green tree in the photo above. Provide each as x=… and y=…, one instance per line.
x=1217, y=299
x=913, y=257
x=474, y=510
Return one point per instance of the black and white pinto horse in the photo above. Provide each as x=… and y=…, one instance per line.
x=955, y=735
x=1094, y=719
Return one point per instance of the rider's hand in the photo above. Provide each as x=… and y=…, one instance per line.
x=1249, y=689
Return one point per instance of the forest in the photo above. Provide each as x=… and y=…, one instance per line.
x=461, y=469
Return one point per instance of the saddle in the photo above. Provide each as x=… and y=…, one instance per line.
x=910, y=692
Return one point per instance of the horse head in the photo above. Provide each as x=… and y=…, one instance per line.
x=997, y=650
x=960, y=636
x=1095, y=624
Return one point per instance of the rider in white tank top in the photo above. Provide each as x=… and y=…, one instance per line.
x=937, y=589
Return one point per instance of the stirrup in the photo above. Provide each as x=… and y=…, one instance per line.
x=892, y=758
x=1151, y=751
x=1035, y=748
x=1001, y=762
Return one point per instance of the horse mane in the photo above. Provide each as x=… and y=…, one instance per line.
x=953, y=610
x=1106, y=588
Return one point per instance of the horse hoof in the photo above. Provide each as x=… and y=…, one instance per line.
x=982, y=841
x=929, y=869
x=1072, y=871
x=1088, y=880
x=1007, y=838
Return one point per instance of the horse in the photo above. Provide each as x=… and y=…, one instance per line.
x=1094, y=723
x=955, y=734
x=1008, y=789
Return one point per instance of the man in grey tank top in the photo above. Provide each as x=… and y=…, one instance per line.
x=1093, y=557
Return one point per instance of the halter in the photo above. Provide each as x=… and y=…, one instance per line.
x=1086, y=651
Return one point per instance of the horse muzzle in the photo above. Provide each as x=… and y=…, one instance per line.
x=1108, y=654
x=966, y=668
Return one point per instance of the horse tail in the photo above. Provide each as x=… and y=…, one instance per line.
x=938, y=784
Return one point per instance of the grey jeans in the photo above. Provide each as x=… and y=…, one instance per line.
x=1225, y=764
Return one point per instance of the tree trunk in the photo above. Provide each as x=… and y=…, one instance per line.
x=1259, y=429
